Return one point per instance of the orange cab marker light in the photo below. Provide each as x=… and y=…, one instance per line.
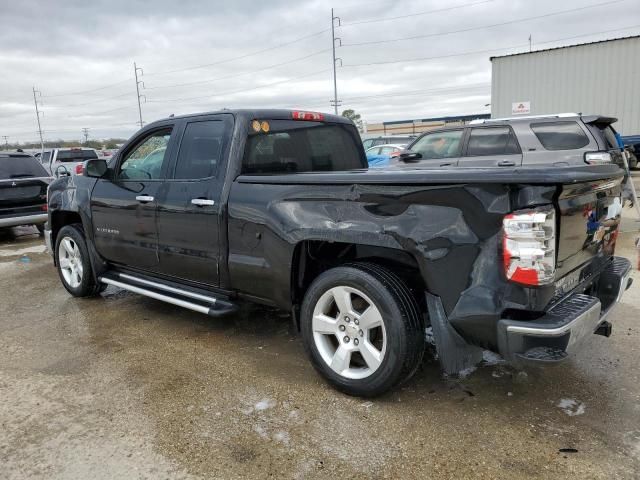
x=297, y=115
x=265, y=126
x=255, y=125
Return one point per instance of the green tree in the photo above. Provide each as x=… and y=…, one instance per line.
x=354, y=117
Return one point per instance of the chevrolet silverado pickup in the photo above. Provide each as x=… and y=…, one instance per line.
x=277, y=207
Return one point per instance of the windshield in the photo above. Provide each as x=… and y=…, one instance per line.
x=20, y=167
x=75, y=155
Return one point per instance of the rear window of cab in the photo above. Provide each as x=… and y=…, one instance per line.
x=76, y=155
x=560, y=135
x=294, y=146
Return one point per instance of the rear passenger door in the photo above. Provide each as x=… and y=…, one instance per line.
x=189, y=209
x=491, y=147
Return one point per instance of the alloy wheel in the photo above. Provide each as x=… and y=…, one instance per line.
x=349, y=333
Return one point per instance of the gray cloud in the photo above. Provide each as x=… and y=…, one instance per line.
x=78, y=46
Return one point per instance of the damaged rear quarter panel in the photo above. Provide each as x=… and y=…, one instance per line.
x=452, y=231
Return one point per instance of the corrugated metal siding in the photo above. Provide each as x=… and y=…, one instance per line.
x=600, y=78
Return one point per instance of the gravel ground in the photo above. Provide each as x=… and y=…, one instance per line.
x=122, y=386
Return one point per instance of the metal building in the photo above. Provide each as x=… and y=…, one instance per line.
x=592, y=78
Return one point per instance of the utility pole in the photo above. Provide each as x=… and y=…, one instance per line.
x=6, y=141
x=529, y=42
x=85, y=132
x=35, y=101
x=138, y=82
x=335, y=101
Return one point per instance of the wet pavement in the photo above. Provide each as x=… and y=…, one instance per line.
x=123, y=386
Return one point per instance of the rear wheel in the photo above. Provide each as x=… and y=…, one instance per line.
x=74, y=266
x=362, y=329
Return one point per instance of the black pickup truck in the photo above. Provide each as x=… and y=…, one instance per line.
x=277, y=207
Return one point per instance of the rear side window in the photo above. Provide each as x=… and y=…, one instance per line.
x=45, y=157
x=75, y=155
x=200, y=150
x=560, y=135
x=21, y=167
x=292, y=146
x=491, y=141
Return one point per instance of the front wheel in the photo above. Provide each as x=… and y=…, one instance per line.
x=74, y=266
x=362, y=329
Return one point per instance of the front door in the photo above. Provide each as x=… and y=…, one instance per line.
x=439, y=149
x=189, y=222
x=124, y=206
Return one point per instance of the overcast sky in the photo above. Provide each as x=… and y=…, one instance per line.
x=206, y=55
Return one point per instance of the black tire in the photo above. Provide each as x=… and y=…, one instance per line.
x=40, y=228
x=402, y=319
x=87, y=286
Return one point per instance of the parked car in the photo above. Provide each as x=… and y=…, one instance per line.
x=278, y=207
x=549, y=140
x=23, y=191
x=386, y=140
x=381, y=155
x=66, y=161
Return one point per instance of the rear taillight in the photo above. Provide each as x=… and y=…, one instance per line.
x=44, y=207
x=394, y=154
x=529, y=246
x=597, y=158
x=307, y=116
x=79, y=169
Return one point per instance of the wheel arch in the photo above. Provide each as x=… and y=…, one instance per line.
x=313, y=257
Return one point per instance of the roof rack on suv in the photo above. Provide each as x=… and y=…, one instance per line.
x=528, y=117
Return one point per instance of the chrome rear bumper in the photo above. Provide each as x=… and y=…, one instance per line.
x=558, y=333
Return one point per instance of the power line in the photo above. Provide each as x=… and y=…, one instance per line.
x=475, y=52
x=93, y=102
x=470, y=29
x=239, y=91
x=104, y=87
x=251, y=54
x=211, y=80
x=428, y=12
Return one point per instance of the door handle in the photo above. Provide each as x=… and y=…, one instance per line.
x=506, y=163
x=446, y=164
x=144, y=198
x=202, y=202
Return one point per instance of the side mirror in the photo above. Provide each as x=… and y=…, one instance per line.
x=95, y=168
x=408, y=156
x=61, y=171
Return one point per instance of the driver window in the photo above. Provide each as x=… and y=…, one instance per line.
x=144, y=162
x=439, y=145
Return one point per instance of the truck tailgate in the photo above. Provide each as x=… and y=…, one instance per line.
x=588, y=226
